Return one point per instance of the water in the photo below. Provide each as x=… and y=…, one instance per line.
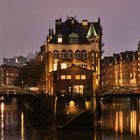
x=120, y=121
x=18, y=124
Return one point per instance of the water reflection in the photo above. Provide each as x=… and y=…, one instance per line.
x=2, y=121
x=22, y=126
x=119, y=122
x=133, y=122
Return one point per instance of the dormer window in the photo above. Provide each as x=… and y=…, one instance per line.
x=73, y=38
x=59, y=38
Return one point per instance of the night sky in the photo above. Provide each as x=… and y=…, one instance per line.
x=24, y=23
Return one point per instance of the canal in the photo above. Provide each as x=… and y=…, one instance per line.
x=120, y=121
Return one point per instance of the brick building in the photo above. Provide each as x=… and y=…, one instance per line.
x=122, y=70
x=73, y=43
x=8, y=75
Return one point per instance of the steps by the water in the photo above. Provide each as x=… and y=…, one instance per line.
x=83, y=120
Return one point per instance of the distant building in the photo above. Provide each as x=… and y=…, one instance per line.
x=8, y=75
x=18, y=61
x=10, y=68
x=121, y=70
x=73, y=43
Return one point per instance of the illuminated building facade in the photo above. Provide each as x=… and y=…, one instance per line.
x=73, y=46
x=121, y=70
x=8, y=75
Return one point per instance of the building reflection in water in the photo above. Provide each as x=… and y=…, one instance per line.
x=133, y=122
x=22, y=126
x=2, y=121
x=119, y=122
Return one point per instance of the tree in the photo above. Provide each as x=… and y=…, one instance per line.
x=31, y=74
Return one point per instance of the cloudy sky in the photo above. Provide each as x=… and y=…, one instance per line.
x=24, y=23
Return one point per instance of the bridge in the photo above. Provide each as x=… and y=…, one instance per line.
x=121, y=94
x=17, y=93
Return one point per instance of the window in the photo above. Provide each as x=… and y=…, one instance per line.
x=55, y=54
x=83, y=77
x=70, y=89
x=63, y=66
x=84, y=54
x=78, y=89
x=16, y=60
x=77, y=77
x=70, y=54
x=55, y=67
x=64, y=54
x=73, y=38
x=68, y=77
x=77, y=53
x=60, y=38
x=63, y=77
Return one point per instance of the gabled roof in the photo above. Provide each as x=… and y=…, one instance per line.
x=72, y=26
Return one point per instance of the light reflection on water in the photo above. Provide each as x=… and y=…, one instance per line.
x=2, y=121
x=17, y=124
x=120, y=121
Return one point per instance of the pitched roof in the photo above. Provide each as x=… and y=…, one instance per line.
x=72, y=26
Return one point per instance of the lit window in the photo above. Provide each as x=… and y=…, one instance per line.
x=63, y=77
x=78, y=88
x=70, y=89
x=55, y=67
x=68, y=77
x=71, y=103
x=77, y=77
x=63, y=66
x=59, y=40
x=83, y=77
x=16, y=60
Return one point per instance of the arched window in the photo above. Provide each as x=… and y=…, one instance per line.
x=84, y=54
x=70, y=54
x=77, y=54
x=64, y=54
x=55, y=54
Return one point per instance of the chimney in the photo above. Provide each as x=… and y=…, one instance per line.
x=85, y=24
x=58, y=23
